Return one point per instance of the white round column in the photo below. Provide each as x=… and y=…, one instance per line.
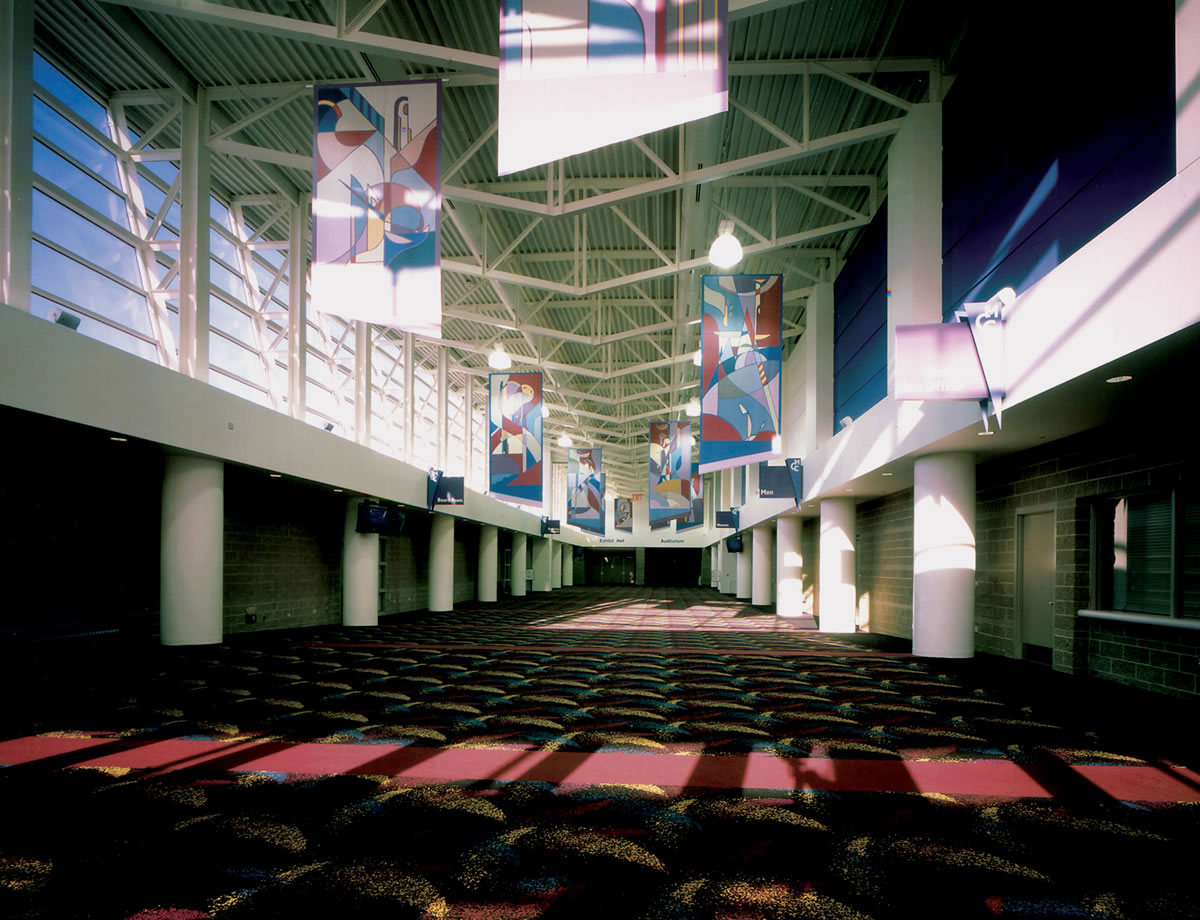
x=541, y=556
x=489, y=555
x=520, y=555
x=744, y=570
x=761, y=590
x=944, y=556
x=441, y=563
x=192, y=551
x=789, y=567
x=714, y=575
x=838, y=584
x=556, y=554
x=360, y=572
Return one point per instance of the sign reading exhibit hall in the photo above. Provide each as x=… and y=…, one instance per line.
x=515, y=437
x=742, y=356
x=377, y=204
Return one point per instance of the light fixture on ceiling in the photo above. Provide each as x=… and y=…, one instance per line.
x=693, y=408
x=499, y=359
x=698, y=357
x=1120, y=378
x=725, y=251
x=564, y=440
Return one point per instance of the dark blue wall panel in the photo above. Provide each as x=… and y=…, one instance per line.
x=860, y=324
x=1047, y=141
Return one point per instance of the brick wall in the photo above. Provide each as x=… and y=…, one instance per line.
x=405, y=580
x=1067, y=476
x=283, y=553
x=466, y=560
x=884, y=554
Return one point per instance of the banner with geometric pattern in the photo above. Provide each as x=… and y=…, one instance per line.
x=377, y=204
x=670, y=472
x=571, y=71
x=623, y=514
x=585, y=488
x=741, y=347
x=696, y=518
x=515, y=437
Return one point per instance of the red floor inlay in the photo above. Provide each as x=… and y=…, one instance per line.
x=993, y=778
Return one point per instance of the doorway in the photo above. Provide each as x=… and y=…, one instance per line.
x=1035, y=585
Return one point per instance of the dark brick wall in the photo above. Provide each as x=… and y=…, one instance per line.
x=405, y=581
x=884, y=560
x=1067, y=476
x=283, y=553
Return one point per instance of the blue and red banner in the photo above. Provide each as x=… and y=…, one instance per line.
x=570, y=71
x=696, y=518
x=670, y=472
x=377, y=204
x=515, y=437
x=585, y=488
x=623, y=514
x=741, y=346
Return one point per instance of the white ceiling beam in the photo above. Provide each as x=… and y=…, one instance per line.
x=216, y=14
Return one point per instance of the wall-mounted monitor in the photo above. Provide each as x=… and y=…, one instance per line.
x=734, y=544
x=380, y=518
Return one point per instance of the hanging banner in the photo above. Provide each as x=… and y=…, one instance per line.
x=623, y=514
x=569, y=70
x=696, y=519
x=670, y=472
x=742, y=355
x=585, y=488
x=515, y=437
x=377, y=204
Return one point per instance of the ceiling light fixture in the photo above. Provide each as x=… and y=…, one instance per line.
x=725, y=251
x=693, y=408
x=564, y=440
x=499, y=359
x=698, y=357
x=1120, y=378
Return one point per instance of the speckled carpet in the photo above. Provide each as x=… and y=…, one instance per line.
x=641, y=753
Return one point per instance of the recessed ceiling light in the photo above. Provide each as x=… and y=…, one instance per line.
x=1120, y=378
x=985, y=434
x=276, y=475
x=887, y=474
x=115, y=438
x=339, y=490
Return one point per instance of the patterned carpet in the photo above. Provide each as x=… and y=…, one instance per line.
x=641, y=753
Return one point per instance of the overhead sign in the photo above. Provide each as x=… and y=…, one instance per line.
x=938, y=361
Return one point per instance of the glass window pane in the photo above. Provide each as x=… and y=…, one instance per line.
x=48, y=124
x=226, y=280
x=71, y=281
x=164, y=169
x=219, y=213
x=232, y=357
x=237, y=388
x=69, y=230
x=223, y=249
x=232, y=320
x=99, y=331
x=49, y=165
x=1142, y=551
x=153, y=199
x=64, y=89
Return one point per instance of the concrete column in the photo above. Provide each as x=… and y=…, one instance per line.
x=944, y=555
x=16, y=152
x=744, y=570
x=838, y=583
x=360, y=572
x=914, y=245
x=727, y=569
x=489, y=556
x=639, y=564
x=542, y=555
x=715, y=566
x=441, y=563
x=192, y=553
x=762, y=592
x=520, y=561
x=817, y=427
x=568, y=566
x=194, y=234
x=789, y=565
x=1187, y=84
x=556, y=564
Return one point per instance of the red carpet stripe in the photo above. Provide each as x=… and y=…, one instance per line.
x=631, y=649
x=988, y=778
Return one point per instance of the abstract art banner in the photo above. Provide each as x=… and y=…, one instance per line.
x=585, y=488
x=696, y=519
x=570, y=68
x=377, y=204
x=740, y=373
x=515, y=437
x=670, y=472
x=623, y=514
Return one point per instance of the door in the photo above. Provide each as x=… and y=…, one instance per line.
x=1036, y=534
